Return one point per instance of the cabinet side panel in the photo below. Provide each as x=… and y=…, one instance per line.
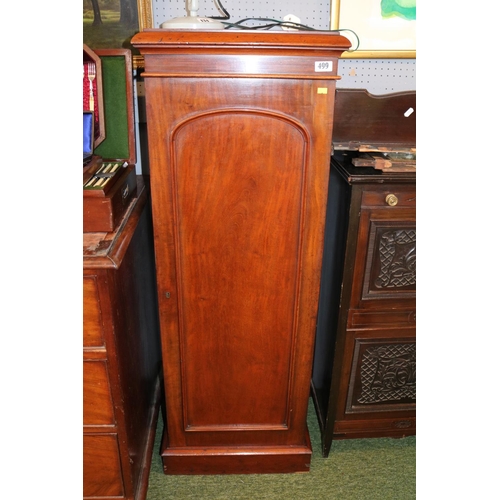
x=138, y=340
x=239, y=212
x=331, y=280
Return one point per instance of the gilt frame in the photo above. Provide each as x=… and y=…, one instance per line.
x=362, y=21
x=145, y=12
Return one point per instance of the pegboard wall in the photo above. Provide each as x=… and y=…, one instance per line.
x=314, y=13
x=378, y=76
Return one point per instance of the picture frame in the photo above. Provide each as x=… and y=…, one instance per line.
x=111, y=25
x=383, y=29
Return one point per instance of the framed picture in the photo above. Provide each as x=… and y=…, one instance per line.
x=110, y=24
x=383, y=28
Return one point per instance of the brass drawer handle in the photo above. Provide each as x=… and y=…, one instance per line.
x=391, y=200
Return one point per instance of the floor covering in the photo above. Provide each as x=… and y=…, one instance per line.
x=356, y=469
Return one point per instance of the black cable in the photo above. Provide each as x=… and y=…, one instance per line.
x=354, y=33
x=273, y=23
x=221, y=9
x=286, y=24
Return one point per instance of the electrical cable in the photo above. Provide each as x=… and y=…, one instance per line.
x=222, y=10
x=354, y=33
x=272, y=23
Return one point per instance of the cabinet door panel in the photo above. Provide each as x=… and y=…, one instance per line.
x=386, y=259
x=238, y=240
x=382, y=377
x=239, y=188
x=391, y=261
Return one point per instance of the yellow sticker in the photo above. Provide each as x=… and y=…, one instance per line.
x=322, y=90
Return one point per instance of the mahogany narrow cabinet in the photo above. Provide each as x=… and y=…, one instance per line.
x=239, y=132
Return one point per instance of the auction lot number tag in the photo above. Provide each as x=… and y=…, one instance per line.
x=323, y=66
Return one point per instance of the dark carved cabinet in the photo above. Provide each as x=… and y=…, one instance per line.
x=364, y=376
x=121, y=356
x=239, y=131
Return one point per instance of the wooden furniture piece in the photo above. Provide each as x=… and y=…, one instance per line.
x=110, y=183
x=363, y=379
x=121, y=356
x=239, y=127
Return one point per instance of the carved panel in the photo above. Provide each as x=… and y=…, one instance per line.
x=391, y=261
x=383, y=376
x=397, y=256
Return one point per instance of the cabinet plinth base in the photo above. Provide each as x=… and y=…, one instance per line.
x=237, y=460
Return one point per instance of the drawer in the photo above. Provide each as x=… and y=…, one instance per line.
x=102, y=474
x=383, y=371
x=388, y=319
x=375, y=427
x=92, y=317
x=97, y=401
x=386, y=258
x=390, y=197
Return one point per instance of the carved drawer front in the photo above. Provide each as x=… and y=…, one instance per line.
x=383, y=375
x=102, y=474
x=97, y=402
x=391, y=260
x=92, y=321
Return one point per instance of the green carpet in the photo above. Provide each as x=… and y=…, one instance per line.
x=375, y=469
